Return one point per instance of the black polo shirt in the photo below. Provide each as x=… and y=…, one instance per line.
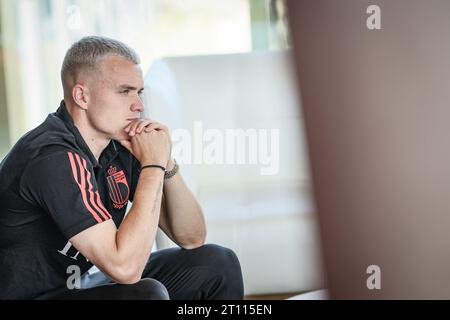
x=52, y=188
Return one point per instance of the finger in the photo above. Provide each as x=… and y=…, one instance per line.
x=142, y=125
x=154, y=126
x=128, y=127
x=133, y=127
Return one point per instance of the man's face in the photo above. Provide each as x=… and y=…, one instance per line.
x=115, y=97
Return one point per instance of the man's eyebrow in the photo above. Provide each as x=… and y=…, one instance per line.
x=129, y=87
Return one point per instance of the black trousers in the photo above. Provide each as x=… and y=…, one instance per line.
x=207, y=272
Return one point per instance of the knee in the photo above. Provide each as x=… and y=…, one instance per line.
x=226, y=264
x=150, y=289
x=222, y=256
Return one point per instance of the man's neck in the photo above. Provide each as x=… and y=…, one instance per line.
x=95, y=141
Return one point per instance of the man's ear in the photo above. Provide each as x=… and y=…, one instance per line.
x=80, y=95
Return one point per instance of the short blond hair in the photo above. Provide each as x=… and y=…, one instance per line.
x=88, y=51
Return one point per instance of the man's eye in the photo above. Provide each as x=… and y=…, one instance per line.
x=125, y=91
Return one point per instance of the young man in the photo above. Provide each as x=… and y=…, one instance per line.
x=65, y=187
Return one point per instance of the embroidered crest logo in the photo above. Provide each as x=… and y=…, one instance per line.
x=118, y=187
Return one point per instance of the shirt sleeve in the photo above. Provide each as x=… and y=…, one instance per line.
x=63, y=184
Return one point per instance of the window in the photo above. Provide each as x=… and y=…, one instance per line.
x=35, y=35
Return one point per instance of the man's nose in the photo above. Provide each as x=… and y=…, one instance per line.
x=138, y=105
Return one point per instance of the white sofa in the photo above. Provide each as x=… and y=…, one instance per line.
x=268, y=220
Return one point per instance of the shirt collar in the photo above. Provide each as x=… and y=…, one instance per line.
x=107, y=155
